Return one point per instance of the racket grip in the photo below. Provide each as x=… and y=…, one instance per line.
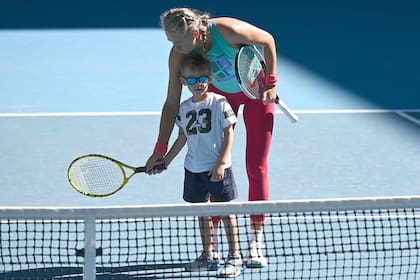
x=286, y=110
x=160, y=167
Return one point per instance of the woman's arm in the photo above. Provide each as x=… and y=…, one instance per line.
x=169, y=110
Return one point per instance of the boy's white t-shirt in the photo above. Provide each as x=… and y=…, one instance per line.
x=203, y=123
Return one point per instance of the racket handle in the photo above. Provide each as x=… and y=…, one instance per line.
x=160, y=167
x=286, y=110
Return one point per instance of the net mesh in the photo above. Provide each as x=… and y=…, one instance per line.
x=377, y=243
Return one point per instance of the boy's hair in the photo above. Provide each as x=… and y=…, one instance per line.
x=195, y=61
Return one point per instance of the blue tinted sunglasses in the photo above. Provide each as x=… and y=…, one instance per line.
x=193, y=80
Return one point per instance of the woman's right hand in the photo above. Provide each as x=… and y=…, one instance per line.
x=153, y=160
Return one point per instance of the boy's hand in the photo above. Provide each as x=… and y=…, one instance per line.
x=217, y=173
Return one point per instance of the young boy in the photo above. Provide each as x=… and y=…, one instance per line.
x=205, y=123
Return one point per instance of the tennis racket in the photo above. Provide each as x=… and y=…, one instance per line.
x=250, y=69
x=99, y=176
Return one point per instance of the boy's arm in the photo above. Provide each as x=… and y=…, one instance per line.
x=176, y=148
x=218, y=171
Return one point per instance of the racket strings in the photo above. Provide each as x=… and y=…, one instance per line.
x=96, y=176
x=251, y=73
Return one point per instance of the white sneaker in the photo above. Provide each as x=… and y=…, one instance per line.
x=255, y=257
x=206, y=261
x=232, y=267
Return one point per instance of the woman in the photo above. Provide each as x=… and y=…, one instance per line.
x=219, y=40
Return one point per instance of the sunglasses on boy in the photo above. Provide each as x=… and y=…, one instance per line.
x=193, y=80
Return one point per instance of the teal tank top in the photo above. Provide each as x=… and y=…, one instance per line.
x=222, y=58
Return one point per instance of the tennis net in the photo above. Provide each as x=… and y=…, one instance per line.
x=357, y=238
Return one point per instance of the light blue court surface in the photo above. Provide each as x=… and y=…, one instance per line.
x=65, y=93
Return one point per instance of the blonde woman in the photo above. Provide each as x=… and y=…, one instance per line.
x=219, y=39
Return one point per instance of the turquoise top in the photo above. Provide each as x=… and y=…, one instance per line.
x=222, y=57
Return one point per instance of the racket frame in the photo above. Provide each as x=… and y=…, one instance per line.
x=286, y=110
x=237, y=72
x=121, y=165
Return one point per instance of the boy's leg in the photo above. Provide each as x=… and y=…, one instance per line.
x=231, y=229
x=195, y=190
x=208, y=260
x=206, y=231
x=233, y=263
x=216, y=223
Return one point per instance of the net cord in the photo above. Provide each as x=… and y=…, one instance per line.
x=221, y=208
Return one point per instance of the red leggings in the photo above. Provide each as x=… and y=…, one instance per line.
x=259, y=121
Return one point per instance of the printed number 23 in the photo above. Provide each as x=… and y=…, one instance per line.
x=202, y=119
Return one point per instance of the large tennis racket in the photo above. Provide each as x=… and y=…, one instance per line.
x=250, y=69
x=99, y=176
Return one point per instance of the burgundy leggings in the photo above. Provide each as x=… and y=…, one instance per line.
x=258, y=120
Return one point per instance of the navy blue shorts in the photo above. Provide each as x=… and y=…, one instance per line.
x=197, y=187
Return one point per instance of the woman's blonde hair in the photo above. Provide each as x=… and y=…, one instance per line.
x=185, y=20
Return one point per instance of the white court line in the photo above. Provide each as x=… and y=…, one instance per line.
x=401, y=112
x=355, y=111
x=406, y=116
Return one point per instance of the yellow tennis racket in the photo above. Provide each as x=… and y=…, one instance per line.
x=99, y=176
